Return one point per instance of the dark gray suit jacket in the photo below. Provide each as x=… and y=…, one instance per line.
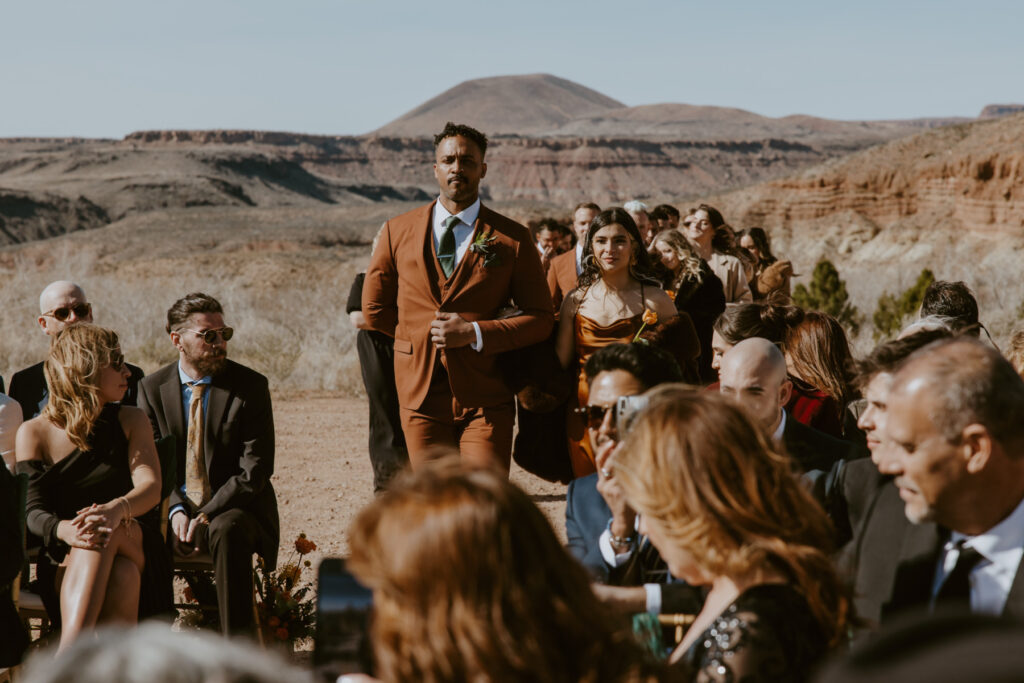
x=896, y=561
x=238, y=443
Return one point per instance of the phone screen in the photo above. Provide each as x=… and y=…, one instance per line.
x=343, y=621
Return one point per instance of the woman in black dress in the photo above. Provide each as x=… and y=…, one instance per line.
x=694, y=287
x=93, y=467
x=726, y=512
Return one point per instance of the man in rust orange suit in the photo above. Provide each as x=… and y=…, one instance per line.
x=436, y=282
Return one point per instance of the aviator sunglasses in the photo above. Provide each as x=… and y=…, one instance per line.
x=62, y=313
x=210, y=336
x=594, y=415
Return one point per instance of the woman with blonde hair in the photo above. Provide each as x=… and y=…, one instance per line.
x=694, y=287
x=725, y=511
x=470, y=584
x=93, y=468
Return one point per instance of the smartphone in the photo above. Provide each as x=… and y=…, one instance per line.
x=343, y=612
x=627, y=408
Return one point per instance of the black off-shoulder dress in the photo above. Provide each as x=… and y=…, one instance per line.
x=97, y=475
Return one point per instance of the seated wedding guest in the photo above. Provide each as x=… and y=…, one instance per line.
x=753, y=374
x=567, y=267
x=612, y=372
x=850, y=487
x=665, y=217
x=770, y=274
x=700, y=232
x=11, y=418
x=220, y=411
x=950, y=532
x=12, y=554
x=818, y=353
x=470, y=584
x=694, y=288
x=93, y=469
x=154, y=653
x=638, y=212
x=726, y=512
x=61, y=303
x=806, y=404
x=955, y=302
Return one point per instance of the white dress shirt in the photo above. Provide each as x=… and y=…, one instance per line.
x=463, y=232
x=579, y=258
x=1002, y=547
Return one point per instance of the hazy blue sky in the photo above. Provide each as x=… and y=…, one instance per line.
x=106, y=68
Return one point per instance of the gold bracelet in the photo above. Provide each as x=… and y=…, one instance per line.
x=126, y=515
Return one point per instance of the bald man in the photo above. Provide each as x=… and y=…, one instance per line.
x=61, y=303
x=753, y=373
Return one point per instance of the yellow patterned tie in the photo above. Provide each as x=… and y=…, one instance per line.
x=197, y=481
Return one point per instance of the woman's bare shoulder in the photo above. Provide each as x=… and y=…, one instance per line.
x=33, y=437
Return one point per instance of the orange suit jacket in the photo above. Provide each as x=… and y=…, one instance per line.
x=401, y=295
x=562, y=276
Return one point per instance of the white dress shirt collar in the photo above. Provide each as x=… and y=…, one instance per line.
x=777, y=436
x=468, y=215
x=579, y=258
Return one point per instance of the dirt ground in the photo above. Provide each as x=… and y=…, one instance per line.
x=323, y=477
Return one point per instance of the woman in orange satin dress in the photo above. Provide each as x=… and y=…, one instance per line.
x=614, y=290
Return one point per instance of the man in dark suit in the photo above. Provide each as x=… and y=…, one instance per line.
x=754, y=374
x=566, y=268
x=220, y=413
x=600, y=526
x=950, y=532
x=61, y=303
x=437, y=282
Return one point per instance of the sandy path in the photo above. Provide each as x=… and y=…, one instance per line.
x=323, y=476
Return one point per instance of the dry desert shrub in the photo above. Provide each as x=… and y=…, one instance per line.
x=289, y=317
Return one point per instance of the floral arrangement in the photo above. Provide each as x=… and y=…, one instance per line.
x=649, y=318
x=287, y=611
x=484, y=245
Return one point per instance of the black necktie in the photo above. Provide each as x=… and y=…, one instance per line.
x=956, y=589
x=446, y=250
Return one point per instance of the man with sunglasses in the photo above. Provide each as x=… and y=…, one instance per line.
x=61, y=303
x=220, y=415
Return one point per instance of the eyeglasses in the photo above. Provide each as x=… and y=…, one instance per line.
x=210, y=336
x=594, y=415
x=117, y=361
x=62, y=313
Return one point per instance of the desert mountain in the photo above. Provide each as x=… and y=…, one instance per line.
x=509, y=105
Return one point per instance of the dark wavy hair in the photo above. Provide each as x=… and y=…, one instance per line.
x=761, y=242
x=470, y=584
x=765, y=320
x=642, y=269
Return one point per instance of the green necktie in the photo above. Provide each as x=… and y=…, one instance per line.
x=446, y=251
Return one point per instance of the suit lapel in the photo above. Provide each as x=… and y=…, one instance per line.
x=425, y=238
x=1015, y=599
x=915, y=573
x=219, y=395
x=174, y=411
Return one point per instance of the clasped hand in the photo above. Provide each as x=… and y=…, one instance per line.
x=92, y=526
x=450, y=331
x=184, y=528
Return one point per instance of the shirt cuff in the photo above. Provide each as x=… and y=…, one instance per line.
x=653, y=591
x=170, y=513
x=609, y=555
x=479, y=345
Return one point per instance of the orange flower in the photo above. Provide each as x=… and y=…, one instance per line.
x=303, y=545
x=650, y=317
x=671, y=294
x=281, y=633
x=189, y=595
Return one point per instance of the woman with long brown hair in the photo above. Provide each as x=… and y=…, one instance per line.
x=725, y=511
x=92, y=468
x=818, y=353
x=615, y=297
x=470, y=584
x=700, y=229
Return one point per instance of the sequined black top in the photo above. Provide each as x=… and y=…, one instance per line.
x=767, y=634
